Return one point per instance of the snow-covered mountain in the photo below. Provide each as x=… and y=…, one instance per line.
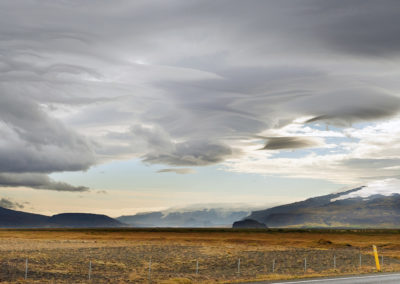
x=384, y=187
x=376, y=205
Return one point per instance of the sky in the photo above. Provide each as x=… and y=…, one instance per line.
x=118, y=107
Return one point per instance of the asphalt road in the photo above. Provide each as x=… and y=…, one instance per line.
x=393, y=278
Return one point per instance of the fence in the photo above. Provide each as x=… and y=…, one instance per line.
x=155, y=263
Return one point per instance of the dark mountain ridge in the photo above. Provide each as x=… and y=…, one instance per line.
x=248, y=224
x=18, y=219
x=83, y=220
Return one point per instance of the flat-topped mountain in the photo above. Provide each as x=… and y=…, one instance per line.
x=83, y=220
x=248, y=224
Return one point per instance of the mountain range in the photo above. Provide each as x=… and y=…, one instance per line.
x=361, y=207
x=348, y=209
x=189, y=218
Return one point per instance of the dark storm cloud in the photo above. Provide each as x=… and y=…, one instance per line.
x=37, y=181
x=278, y=143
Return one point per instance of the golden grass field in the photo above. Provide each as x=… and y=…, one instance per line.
x=123, y=255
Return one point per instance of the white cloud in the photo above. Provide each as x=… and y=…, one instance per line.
x=369, y=152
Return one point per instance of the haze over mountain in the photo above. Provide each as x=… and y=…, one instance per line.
x=187, y=217
x=212, y=217
x=376, y=205
x=373, y=206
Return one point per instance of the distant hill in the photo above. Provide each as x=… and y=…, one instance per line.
x=340, y=210
x=248, y=224
x=83, y=220
x=17, y=219
x=194, y=218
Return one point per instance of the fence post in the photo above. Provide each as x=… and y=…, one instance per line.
x=90, y=270
x=26, y=268
x=197, y=267
x=238, y=268
x=360, y=259
x=381, y=260
x=305, y=265
x=273, y=266
x=334, y=261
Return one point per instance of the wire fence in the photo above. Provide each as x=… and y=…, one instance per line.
x=150, y=264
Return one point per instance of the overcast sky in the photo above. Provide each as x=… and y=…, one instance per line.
x=123, y=106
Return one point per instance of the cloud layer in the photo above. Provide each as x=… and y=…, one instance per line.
x=192, y=83
x=7, y=203
x=37, y=181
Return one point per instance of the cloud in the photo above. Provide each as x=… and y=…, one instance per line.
x=36, y=142
x=163, y=150
x=192, y=153
x=8, y=204
x=367, y=30
x=366, y=105
x=364, y=154
x=277, y=143
x=181, y=171
x=37, y=181
x=190, y=84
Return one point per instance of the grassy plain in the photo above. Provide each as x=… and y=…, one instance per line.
x=124, y=255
